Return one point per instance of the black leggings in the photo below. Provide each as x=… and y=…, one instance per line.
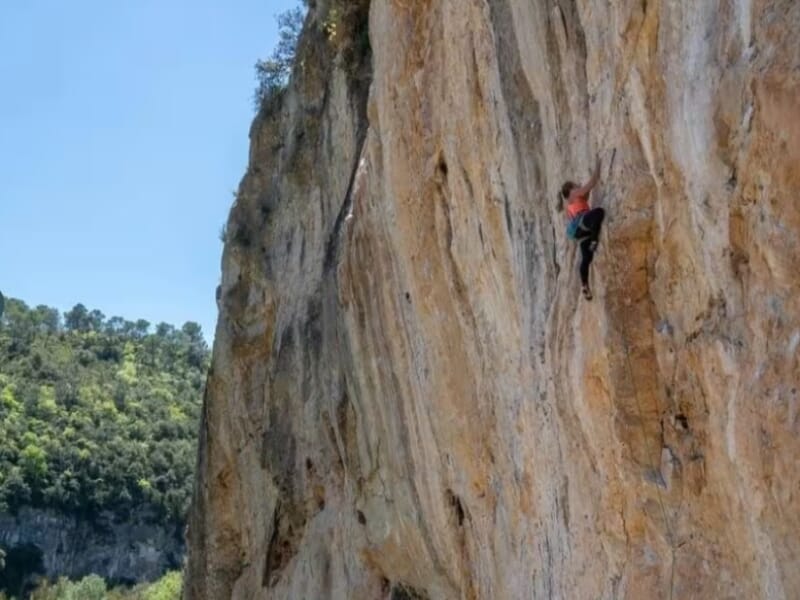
x=588, y=236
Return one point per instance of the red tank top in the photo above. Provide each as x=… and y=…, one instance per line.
x=577, y=206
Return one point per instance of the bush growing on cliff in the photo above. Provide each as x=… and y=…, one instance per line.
x=274, y=72
x=345, y=26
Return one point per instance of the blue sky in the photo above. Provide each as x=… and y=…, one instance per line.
x=123, y=133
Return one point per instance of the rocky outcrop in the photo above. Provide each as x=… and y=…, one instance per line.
x=410, y=400
x=53, y=544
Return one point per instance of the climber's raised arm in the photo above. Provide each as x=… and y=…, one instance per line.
x=583, y=191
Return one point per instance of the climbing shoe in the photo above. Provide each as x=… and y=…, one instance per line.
x=587, y=293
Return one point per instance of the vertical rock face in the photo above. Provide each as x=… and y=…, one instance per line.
x=408, y=397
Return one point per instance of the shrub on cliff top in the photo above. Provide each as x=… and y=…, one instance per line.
x=345, y=26
x=274, y=72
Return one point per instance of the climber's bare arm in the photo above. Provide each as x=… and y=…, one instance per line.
x=584, y=190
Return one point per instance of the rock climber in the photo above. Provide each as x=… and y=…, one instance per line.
x=584, y=223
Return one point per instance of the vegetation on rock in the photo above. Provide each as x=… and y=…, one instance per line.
x=344, y=24
x=274, y=72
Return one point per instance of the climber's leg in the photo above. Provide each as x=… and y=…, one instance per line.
x=587, y=254
x=588, y=236
x=592, y=221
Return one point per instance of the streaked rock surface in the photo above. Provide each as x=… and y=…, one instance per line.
x=409, y=399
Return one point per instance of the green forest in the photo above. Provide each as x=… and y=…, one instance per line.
x=98, y=413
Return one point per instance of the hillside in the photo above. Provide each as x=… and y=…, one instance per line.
x=98, y=428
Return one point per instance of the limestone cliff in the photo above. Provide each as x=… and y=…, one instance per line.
x=409, y=399
x=48, y=543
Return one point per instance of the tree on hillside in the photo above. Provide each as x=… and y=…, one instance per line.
x=165, y=330
x=77, y=319
x=95, y=320
x=47, y=319
x=141, y=328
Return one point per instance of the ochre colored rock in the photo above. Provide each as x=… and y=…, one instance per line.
x=410, y=399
